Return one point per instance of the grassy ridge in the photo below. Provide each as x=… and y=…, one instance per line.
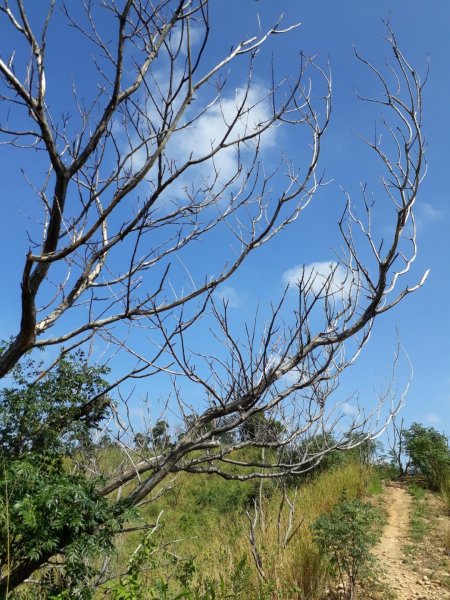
x=202, y=547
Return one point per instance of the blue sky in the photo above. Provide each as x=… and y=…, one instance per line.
x=331, y=29
x=328, y=30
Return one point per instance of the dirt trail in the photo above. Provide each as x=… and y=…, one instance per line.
x=406, y=583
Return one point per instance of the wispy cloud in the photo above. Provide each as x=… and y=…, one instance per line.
x=349, y=409
x=427, y=214
x=179, y=40
x=229, y=296
x=434, y=419
x=217, y=125
x=321, y=277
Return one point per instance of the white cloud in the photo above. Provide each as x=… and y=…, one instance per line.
x=209, y=130
x=434, y=419
x=329, y=278
x=294, y=376
x=215, y=126
x=427, y=214
x=177, y=42
x=349, y=409
x=228, y=295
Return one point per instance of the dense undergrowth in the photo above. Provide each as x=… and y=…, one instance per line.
x=206, y=538
x=308, y=538
x=210, y=538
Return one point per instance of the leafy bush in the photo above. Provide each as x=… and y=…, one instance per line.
x=185, y=584
x=40, y=509
x=429, y=453
x=43, y=506
x=53, y=413
x=346, y=535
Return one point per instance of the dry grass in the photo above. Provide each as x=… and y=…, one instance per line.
x=445, y=491
x=446, y=540
x=217, y=538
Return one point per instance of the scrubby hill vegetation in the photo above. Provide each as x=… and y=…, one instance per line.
x=197, y=537
x=302, y=538
x=239, y=541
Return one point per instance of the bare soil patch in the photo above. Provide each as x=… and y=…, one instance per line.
x=406, y=570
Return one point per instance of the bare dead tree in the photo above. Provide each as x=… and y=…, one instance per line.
x=127, y=196
x=396, y=442
x=286, y=525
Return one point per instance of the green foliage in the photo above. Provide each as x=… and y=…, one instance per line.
x=47, y=508
x=386, y=471
x=319, y=444
x=43, y=506
x=160, y=434
x=324, y=451
x=185, y=584
x=445, y=490
x=129, y=586
x=260, y=428
x=419, y=525
x=429, y=453
x=365, y=451
x=158, y=438
x=206, y=515
x=141, y=441
x=223, y=498
x=54, y=413
x=345, y=535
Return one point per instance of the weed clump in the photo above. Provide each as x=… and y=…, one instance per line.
x=345, y=535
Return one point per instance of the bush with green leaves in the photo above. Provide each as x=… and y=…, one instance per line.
x=44, y=419
x=429, y=453
x=346, y=535
x=52, y=413
x=39, y=506
x=184, y=583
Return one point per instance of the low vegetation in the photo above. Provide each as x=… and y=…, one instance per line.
x=345, y=535
x=210, y=539
x=199, y=537
x=259, y=542
x=419, y=513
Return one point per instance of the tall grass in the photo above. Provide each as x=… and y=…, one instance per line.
x=207, y=530
x=445, y=490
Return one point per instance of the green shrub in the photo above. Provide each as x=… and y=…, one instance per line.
x=186, y=583
x=346, y=535
x=45, y=507
x=429, y=453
